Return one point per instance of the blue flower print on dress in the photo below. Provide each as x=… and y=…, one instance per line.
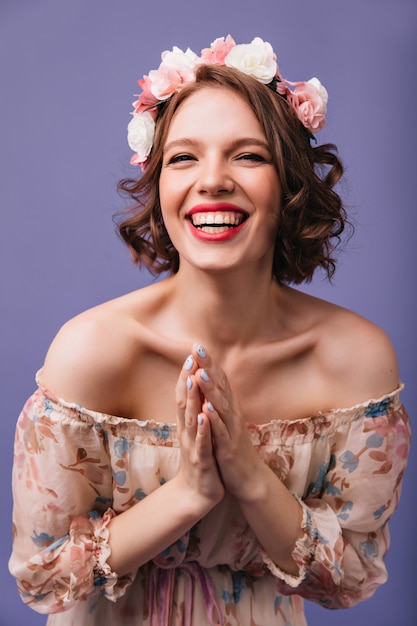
x=42, y=540
x=103, y=500
x=120, y=477
x=344, y=511
x=122, y=447
x=349, y=461
x=181, y=546
x=331, y=489
x=312, y=530
x=375, y=409
x=379, y=512
x=140, y=494
x=48, y=407
x=238, y=585
x=55, y=544
x=162, y=433
x=314, y=489
x=369, y=548
x=374, y=441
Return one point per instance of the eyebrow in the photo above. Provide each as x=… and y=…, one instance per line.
x=232, y=145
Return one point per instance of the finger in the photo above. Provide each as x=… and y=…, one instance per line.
x=200, y=355
x=219, y=431
x=193, y=406
x=204, y=362
x=215, y=387
x=189, y=367
x=203, y=443
x=213, y=383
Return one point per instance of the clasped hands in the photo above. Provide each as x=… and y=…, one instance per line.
x=217, y=454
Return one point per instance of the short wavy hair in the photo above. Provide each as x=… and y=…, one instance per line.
x=311, y=216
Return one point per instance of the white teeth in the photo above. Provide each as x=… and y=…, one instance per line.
x=219, y=218
x=214, y=229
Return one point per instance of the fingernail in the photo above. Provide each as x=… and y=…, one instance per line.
x=210, y=407
x=200, y=419
x=189, y=362
x=205, y=376
x=200, y=350
x=189, y=383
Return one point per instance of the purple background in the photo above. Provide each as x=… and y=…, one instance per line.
x=68, y=74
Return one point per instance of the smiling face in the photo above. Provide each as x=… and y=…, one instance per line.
x=219, y=191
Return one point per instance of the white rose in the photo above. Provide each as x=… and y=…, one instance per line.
x=183, y=62
x=322, y=91
x=256, y=59
x=140, y=133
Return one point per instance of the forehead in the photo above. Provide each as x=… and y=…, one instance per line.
x=214, y=111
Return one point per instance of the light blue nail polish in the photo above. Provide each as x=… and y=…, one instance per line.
x=189, y=383
x=201, y=351
x=200, y=420
x=210, y=407
x=189, y=362
x=205, y=376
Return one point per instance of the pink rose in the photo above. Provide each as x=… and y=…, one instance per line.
x=146, y=100
x=177, y=69
x=164, y=82
x=310, y=103
x=218, y=50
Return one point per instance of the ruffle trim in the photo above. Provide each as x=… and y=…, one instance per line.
x=94, y=533
x=301, y=430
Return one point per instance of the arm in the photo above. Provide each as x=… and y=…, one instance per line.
x=272, y=512
x=62, y=471
x=347, y=510
x=330, y=546
x=161, y=518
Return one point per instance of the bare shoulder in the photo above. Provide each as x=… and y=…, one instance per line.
x=90, y=358
x=356, y=355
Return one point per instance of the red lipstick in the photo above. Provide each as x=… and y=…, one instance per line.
x=214, y=230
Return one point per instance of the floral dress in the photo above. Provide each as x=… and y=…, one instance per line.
x=74, y=469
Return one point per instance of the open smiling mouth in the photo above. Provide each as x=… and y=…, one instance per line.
x=218, y=221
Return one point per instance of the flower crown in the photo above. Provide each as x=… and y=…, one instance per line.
x=178, y=68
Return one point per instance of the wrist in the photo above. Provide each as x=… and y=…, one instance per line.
x=252, y=488
x=194, y=502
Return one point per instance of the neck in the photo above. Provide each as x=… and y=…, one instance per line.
x=224, y=309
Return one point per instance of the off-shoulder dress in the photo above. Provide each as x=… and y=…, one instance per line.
x=75, y=468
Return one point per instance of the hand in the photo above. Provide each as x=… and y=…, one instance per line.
x=236, y=457
x=198, y=470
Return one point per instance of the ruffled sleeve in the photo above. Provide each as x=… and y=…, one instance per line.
x=347, y=507
x=62, y=490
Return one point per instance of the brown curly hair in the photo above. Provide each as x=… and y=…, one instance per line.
x=312, y=217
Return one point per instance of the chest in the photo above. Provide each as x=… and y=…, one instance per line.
x=265, y=389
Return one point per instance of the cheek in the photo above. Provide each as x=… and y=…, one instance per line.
x=170, y=193
x=272, y=200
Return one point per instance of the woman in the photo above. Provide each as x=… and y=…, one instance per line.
x=188, y=457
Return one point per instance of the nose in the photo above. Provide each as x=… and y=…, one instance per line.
x=214, y=177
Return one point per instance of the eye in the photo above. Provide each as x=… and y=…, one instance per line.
x=252, y=156
x=180, y=158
